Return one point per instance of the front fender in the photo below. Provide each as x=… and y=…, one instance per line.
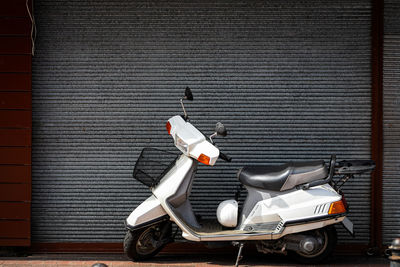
x=147, y=213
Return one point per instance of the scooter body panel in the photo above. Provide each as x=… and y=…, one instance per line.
x=281, y=213
x=172, y=181
x=260, y=235
x=147, y=212
x=173, y=193
x=281, y=207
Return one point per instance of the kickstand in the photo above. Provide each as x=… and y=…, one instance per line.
x=239, y=256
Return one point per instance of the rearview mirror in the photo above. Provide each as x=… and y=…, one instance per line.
x=220, y=129
x=188, y=94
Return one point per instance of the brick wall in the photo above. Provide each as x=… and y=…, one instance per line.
x=15, y=123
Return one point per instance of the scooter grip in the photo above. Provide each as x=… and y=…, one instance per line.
x=225, y=157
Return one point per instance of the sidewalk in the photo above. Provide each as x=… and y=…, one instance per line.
x=119, y=260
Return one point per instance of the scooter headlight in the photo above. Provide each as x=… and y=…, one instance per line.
x=182, y=145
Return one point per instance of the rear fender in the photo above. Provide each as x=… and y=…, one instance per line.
x=148, y=213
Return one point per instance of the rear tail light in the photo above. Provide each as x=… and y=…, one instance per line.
x=168, y=126
x=204, y=159
x=337, y=208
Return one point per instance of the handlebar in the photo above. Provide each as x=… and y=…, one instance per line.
x=225, y=157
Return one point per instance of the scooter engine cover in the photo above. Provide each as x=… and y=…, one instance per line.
x=227, y=213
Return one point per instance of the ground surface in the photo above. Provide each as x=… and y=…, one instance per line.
x=114, y=260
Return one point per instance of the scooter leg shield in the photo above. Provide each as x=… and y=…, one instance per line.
x=147, y=213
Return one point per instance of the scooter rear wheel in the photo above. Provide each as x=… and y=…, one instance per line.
x=142, y=244
x=328, y=237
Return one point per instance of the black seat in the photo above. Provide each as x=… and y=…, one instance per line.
x=282, y=177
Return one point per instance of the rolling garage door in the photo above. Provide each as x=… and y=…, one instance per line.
x=391, y=123
x=289, y=79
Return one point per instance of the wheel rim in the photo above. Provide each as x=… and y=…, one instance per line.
x=147, y=241
x=322, y=238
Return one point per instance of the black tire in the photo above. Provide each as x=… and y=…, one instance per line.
x=328, y=236
x=138, y=245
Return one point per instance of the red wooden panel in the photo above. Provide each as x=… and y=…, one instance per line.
x=15, y=63
x=15, y=210
x=15, y=26
x=80, y=247
x=15, y=82
x=15, y=229
x=15, y=192
x=14, y=8
x=15, y=100
x=15, y=45
x=15, y=137
x=15, y=155
x=6, y=242
x=15, y=174
x=16, y=118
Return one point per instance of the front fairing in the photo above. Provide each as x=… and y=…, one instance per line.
x=191, y=141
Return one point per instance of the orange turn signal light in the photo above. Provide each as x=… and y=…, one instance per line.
x=337, y=207
x=204, y=159
x=168, y=126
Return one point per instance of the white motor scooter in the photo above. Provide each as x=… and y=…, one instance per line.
x=289, y=208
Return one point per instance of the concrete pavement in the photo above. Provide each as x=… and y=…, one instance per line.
x=119, y=260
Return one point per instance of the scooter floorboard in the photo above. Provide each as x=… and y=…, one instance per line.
x=213, y=227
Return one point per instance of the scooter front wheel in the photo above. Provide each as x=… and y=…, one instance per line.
x=145, y=243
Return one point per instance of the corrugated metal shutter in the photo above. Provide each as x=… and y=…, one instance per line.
x=391, y=120
x=289, y=79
